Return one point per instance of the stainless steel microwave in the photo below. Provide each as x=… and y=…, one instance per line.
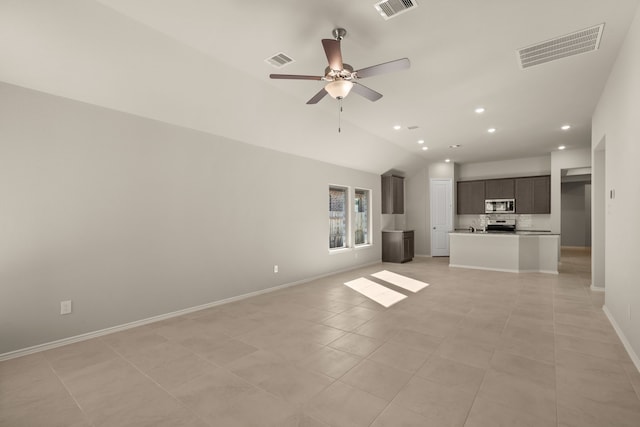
x=500, y=206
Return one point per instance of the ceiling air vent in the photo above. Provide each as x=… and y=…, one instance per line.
x=582, y=41
x=279, y=60
x=391, y=8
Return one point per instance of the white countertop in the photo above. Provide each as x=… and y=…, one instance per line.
x=517, y=233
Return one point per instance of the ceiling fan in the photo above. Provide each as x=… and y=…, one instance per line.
x=340, y=77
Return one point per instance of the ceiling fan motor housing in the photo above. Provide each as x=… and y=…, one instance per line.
x=339, y=33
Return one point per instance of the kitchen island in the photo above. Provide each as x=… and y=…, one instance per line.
x=518, y=252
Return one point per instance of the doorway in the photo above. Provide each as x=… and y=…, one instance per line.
x=575, y=207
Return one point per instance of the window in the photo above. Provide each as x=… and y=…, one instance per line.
x=361, y=210
x=338, y=215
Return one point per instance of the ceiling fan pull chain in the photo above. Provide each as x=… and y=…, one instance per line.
x=339, y=114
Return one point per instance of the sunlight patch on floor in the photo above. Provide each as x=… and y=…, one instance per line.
x=378, y=293
x=400, y=281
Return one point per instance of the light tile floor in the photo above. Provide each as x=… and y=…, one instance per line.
x=474, y=349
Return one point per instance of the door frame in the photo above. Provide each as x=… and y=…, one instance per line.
x=432, y=204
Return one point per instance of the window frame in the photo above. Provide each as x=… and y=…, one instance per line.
x=369, y=221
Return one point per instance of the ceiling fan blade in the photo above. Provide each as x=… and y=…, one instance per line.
x=387, y=67
x=362, y=90
x=294, y=77
x=334, y=55
x=317, y=97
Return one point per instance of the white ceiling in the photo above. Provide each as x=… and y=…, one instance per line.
x=200, y=64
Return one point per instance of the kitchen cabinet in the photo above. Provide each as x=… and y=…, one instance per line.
x=533, y=195
x=397, y=246
x=499, y=188
x=392, y=194
x=470, y=197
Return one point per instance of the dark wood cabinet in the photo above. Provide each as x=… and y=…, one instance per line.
x=392, y=194
x=533, y=195
x=499, y=188
x=397, y=246
x=470, y=197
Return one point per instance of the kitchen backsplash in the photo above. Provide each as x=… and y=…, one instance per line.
x=540, y=222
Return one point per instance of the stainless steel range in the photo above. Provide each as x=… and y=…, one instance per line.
x=501, y=226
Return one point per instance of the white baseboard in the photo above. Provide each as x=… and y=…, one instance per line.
x=632, y=354
x=95, y=334
x=504, y=270
x=596, y=288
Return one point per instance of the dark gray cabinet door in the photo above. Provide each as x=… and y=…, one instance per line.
x=533, y=195
x=524, y=195
x=542, y=195
x=407, y=247
x=397, y=246
x=471, y=197
x=392, y=194
x=499, y=188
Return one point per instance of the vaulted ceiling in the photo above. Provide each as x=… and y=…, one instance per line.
x=201, y=64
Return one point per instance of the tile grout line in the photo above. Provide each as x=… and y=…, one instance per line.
x=86, y=416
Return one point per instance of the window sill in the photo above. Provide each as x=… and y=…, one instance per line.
x=339, y=250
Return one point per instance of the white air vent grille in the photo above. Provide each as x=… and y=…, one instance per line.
x=391, y=8
x=582, y=41
x=279, y=60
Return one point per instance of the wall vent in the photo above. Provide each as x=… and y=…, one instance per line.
x=582, y=41
x=279, y=60
x=391, y=8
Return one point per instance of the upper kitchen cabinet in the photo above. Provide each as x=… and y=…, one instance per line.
x=533, y=195
x=499, y=188
x=471, y=195
x=392, y=194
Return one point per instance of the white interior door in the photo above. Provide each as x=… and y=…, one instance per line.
x=441, y=215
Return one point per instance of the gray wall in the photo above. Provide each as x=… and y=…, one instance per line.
x=576, y=214
x=132, y=218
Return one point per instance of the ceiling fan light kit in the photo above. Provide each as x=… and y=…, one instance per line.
x=340, y=77
x=338, y=89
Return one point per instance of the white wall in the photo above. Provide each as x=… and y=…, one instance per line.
x=616, y=118
x=132, y=218
x=416, y=208
x=529, y=166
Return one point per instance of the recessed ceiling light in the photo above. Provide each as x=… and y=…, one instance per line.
x=454, y=146
x=491, y=130
x=397, y=127
x=447, y=160
x=562, y=147
x=566, y=127
x=479, y=110
x=421, y=141
x=425, y=148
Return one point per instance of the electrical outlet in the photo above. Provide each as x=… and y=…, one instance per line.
x=65, y=307
x=275, y=268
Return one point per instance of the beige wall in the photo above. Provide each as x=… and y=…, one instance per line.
x=132, y=218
